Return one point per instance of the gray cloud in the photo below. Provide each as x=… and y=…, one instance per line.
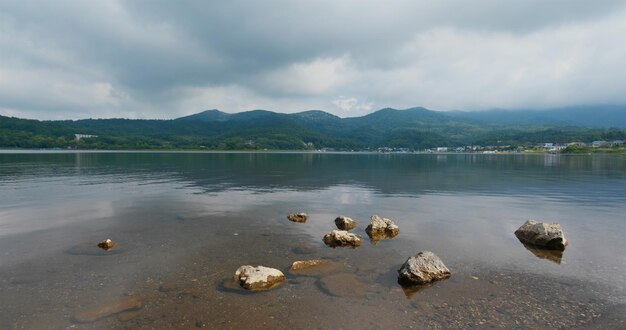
x=75, y=59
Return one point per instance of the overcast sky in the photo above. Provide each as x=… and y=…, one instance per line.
x=163, y=59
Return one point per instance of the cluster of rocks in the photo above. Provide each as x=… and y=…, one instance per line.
x=422, y=269
x=381, y=228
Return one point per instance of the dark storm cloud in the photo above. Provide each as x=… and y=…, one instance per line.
x=163, y=58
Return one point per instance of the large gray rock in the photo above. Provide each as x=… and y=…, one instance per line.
x=423, y=268
x=258, y=278
x=545, y=235
x=344, y=223
x=341, y=238
x=380, y=228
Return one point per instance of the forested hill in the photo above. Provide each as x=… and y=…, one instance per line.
x=415, y=128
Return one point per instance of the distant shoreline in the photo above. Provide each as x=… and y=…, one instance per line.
x=183, y=151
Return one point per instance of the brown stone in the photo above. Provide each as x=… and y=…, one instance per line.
x=298, y=217
x=107, y=244
x=341, y=238
x=313, y=267
x=344, y=223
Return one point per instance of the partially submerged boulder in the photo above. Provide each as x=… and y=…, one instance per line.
x=107, y=244
x=423, y=268
x=341, y=238
x=544, y=235
x=313, y=267
x=298, y=217
x=380, y=228
x=344, y=223
x=258, y=278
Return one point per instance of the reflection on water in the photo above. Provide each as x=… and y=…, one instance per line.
x=184, y=222
x=552, y=255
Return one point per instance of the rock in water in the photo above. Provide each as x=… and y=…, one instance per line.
x=106, y=310
x=546, y=235
x=341, y=238
x=423, y=268
x=303, y=264
x=298, y=217
x=107, y=244
x=258, y=278
x=380, y=228
x=344, y=223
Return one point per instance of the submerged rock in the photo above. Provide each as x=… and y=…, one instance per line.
x=313, y=267
x=423, y=268
x=344, y=223
x=343, y=285
x=341, y=238
x=381, y=228
x=303, y=264
x=258, y=278
x=298, y=217
x=545, y=235
x=107, y=244
x=106, y=310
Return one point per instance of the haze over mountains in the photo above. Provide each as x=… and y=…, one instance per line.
x=414, y=128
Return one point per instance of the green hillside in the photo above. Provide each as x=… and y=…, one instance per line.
x=415, y=128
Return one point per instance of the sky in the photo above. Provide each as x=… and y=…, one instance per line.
x=71, y=59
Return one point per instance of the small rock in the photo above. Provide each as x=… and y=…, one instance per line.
x=106, y=310
x=344, y=223
x=343, y=285
x=167, y=287
x=341, y=238
x=303, y=264
x=423, y=268
x=298, y=217
x=381, y=228
x=258, y=278
x=313, y=267
x=545, y=235
x=107, y=244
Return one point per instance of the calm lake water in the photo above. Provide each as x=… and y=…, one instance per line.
x=184, y=222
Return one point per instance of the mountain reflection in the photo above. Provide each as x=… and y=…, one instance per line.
x=384, y=173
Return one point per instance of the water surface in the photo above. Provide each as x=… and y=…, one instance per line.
x=184, y=222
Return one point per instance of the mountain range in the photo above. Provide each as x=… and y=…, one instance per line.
x=414, y=128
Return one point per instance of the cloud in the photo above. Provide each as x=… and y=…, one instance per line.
x=163, y=59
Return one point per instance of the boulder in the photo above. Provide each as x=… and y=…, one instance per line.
x=342, y=238
x=258, y=278
x=344, y=223
x=298, y=217
x=423, y=268
x=380, y=228
x=544, y=235
x=107, y=244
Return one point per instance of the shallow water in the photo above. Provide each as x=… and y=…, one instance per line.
x=184, y=222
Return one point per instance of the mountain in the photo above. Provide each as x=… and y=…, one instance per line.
x=586, y=116
x=415, y=128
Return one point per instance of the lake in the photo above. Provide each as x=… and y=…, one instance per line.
x=185, y=221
